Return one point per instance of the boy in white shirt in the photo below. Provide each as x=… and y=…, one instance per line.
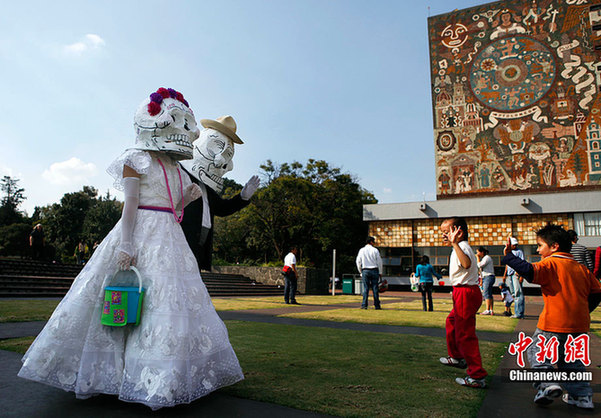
x=462, y=342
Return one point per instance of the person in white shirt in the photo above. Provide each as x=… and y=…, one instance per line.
x=290, y=276
x=369, y=264
x=487, y=269
x=462, y=342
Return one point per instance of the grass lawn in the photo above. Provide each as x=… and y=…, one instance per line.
x=268, y=302
x=19, y=345
x=407, y=314
x=21, y=310
x=347, y=373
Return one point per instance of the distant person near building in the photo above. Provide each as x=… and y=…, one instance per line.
x=486, y=266
x=514, y=281
x=580, y=252
x=369, y=264
x=564, y=283
x=424, y=271
x=37, y=242
x=462, y=342
x=290, y=277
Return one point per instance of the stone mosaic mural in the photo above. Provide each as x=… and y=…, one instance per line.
x=516, y=103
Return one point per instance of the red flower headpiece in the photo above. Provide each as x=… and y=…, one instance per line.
x=156, y=98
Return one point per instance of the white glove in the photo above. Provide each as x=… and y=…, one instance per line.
x=250, y=188
x=131, y=190
x=192, y=193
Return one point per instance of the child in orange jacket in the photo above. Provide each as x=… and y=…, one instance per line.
x=570, y=293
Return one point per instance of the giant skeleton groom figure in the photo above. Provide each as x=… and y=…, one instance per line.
x=180, y=351
x=213, y=153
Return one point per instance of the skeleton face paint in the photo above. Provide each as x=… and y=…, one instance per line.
x=212, y=158
x=172, y=130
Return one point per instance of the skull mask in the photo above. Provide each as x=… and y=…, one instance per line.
x=166, y=124
x=213, y=152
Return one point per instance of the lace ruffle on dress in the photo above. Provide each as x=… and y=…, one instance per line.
x=179, y=352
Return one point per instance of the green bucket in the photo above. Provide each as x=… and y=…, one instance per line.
x=123, y=304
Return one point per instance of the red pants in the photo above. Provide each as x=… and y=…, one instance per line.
x=462, y=342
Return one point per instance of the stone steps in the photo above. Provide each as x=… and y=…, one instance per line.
x=27, y=278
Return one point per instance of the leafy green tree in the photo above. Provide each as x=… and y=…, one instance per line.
x=63, y=222
x=313, y=206
x=12, y=196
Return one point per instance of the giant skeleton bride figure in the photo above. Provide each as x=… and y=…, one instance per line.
x=180, y=351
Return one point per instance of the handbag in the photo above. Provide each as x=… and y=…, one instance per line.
x=414, y=282
x=123, y=304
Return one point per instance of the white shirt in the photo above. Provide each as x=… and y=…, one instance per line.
x=459, y=275
x=290, y=260
x=369, y=258
x=487, y=266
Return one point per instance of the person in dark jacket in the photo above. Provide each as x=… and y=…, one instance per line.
x=212, y=158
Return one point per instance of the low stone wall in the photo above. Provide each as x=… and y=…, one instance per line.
x=310, y=281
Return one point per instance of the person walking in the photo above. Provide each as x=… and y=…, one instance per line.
x=486, y=266
x=369, y=264
x=514, y=281
x=424, y=272
x=290, y=277
x=580, y=252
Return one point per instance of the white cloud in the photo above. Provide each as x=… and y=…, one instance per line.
x=70, y=172
x=89, y=42
x=387, y=190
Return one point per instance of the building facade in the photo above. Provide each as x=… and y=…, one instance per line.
x=517, y=131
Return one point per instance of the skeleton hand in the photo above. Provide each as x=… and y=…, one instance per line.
x=193, y=192
x=250, y=188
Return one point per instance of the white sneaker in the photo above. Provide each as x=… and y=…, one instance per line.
x=487, y=312
x=450, y=361
x=548, y=395
x=584, y=402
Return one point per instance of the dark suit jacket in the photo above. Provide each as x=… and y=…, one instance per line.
x=192, y=223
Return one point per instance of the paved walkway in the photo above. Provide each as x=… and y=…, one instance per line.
x=22, y=398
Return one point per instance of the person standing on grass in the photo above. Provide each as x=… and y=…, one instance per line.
x=462, y=342
x=570, y=293
x=369, y=264
x=486, y=266
x=290, y=277
x=425, y=271
x=514, y=281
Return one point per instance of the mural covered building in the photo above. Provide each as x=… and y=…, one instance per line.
x=515, y=97
x=517, y=132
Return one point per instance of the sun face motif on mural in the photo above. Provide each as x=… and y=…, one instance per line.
x=454, y=35
x=512, y=73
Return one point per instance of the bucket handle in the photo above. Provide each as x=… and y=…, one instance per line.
x=138, y=275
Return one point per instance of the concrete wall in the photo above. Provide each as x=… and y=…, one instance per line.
x=310, y=281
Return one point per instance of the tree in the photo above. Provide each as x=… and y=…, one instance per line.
x=12, y=196
x=12, y=193
x=63, y=223
x=313, y=206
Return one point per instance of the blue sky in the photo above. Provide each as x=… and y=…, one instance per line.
x=342, y=81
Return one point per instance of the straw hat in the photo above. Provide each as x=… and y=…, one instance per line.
x=224, y=124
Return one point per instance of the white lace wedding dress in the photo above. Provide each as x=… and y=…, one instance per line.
x=179, y=352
